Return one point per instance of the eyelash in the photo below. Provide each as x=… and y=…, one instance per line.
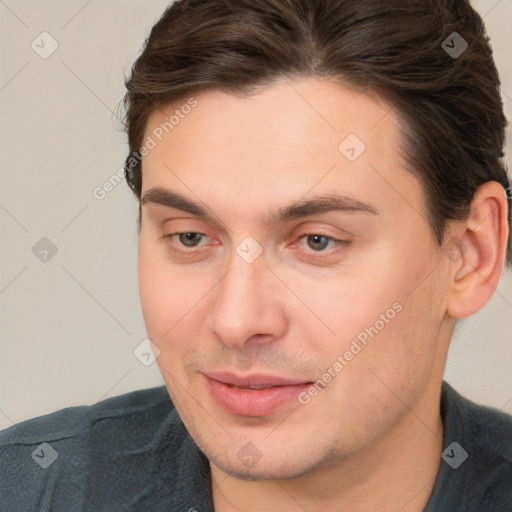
x=314, y=254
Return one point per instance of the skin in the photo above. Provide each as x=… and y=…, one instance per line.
x=371, y=439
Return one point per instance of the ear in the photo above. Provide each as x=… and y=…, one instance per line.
x=477, y=261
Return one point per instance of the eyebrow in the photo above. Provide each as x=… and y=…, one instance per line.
x=303, y=208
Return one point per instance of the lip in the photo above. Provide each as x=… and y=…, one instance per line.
x=232, y=392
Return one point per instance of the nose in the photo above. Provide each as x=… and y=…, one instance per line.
x=246, y=305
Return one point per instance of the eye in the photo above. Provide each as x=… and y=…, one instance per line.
x=322, y=245
x=189, y=239
x=319, y=243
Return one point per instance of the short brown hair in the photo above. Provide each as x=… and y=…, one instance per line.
x=450, y=104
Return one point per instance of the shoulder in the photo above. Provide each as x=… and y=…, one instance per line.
x=476, y=465
x=488, y=429
x=72, y=421
x=50, y=461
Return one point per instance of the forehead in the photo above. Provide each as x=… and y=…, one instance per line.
x=291, y=139
x=322, y=112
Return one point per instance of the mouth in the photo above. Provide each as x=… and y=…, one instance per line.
x=254, y=395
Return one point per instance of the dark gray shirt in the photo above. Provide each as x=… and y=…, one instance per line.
x=133, y=453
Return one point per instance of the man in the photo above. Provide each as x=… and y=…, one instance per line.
x=322, y=196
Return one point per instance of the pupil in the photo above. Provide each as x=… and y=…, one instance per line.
x=317, y=240
x=186, y=238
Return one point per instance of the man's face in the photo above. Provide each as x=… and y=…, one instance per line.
x=248, y=299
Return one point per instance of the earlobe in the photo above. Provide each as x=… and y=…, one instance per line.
x=483, y=242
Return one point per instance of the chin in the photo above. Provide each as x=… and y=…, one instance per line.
x=271, y=470
x=274, y=463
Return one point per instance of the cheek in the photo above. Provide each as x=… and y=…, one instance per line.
x=155, y=295
x=359, y=307
x=375, y=321
x=161, y=294
x=163, y=305
x=394, y=361
x=173, y=304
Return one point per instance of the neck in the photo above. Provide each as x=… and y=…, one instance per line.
x=396, y=472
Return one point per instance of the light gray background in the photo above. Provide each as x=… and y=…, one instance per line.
x=69, y=326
